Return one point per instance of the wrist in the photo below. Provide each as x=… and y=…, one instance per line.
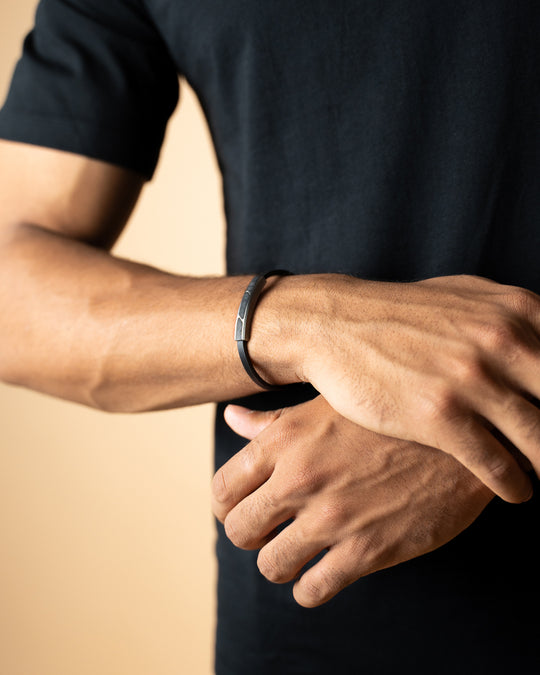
x=289, y=322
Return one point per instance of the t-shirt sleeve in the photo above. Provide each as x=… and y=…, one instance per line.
x=95, y=78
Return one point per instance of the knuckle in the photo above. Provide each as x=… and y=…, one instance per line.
x=331, y=516
x=367, y=552
x=245, y=524
x=269, y=564
x=522, y=301
x=468, y=370
x=440, y=404
x=500, y=469
x=305, y=480
x=268, y=501
x=237, y=534
x=220, y=490
x=323, y=583
x=531, y=426
x=313, y=592
x=503, y=471
x=364, y=550
x=219, y=511
x=499, y=335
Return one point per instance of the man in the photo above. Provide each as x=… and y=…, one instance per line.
x=395, y=142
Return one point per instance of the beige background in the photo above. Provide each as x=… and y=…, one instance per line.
x=106, y=536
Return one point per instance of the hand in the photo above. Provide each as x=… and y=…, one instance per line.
x=370, y=501
x=439, y=362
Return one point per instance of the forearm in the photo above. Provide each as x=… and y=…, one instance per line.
x=422, y=362
x=78, y=323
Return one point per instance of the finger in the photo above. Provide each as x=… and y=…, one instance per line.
x=240, y=476
x=519, y=422
x=249, y=423
x=282, y=558
x=250, y=523
x=338, y=568
x=518, y=351
x=465, y=281
x=478, y=450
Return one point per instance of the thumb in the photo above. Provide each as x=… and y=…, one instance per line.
x=249, y=423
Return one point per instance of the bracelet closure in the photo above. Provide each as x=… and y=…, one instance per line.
x=242, y=329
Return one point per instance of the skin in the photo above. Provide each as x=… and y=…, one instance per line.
x=78, y=322
x=370, y=501
x=442, y=363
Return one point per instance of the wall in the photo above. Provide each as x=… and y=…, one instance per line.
x=106, y=536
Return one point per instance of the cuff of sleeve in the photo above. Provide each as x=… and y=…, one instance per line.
x=88, y=138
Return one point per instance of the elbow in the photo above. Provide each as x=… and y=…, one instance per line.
x=6, y=374
x=11, y=339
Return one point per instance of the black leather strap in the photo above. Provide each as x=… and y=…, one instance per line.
x=242, y=329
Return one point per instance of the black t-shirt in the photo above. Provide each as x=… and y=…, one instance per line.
x=391, y=139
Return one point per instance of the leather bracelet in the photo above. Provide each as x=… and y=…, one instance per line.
x=242, y=329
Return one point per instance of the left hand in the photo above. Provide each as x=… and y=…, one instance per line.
x=370, y=501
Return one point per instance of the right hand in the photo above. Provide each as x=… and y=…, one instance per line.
x=443, y=362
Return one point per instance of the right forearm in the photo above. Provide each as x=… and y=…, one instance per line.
x=78, y=323
x=429, y=362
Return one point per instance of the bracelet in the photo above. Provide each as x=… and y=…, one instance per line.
x=243, y=323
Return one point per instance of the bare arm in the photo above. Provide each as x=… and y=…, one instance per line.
x=81, y=324
x=437, y=362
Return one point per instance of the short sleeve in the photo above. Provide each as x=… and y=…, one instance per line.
x=95, y=78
